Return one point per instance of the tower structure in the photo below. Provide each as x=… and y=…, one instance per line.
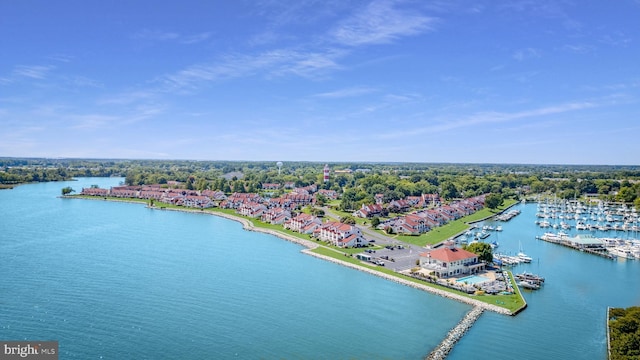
x=326, y=173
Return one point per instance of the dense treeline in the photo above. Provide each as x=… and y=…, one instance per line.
x=357, y=182
x=624, y=333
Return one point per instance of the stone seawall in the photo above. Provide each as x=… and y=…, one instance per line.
x=442, y=350
x=248, y=225
x=449, y=295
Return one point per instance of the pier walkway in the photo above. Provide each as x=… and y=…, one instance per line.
x=441, y=351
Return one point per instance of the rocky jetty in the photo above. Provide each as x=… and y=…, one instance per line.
x=441, y=351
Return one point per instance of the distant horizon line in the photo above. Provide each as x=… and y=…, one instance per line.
x=318, y=161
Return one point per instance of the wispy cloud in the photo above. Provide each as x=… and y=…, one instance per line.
x=526, y=54
x=268, y=64
x=492, y=117
x=61, y=58
x=100, y=121
x=195, y=38
x=617, y=39
x=159, y=35
x=381, y=22
x=92, y=121
x=578, y=48
x=33, y=71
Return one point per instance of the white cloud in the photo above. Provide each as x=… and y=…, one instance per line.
x=159, y=35
x=526, y=54
x=61, y=58
x=277, y=62
x=491, y=117
x=380, y=22
x=345, y=93
x=32, y=71
x=195, y=38
x=617, y=39
x=578, y=49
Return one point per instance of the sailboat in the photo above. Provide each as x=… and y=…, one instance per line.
x=522, y=256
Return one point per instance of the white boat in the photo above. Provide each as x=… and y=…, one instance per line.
x=528, y=285
x=522, y=256
x=622, y=251
x=581, y=226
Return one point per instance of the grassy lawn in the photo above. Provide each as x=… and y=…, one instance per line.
x=279, y=228
x=437, y=234
x=359, y=221
x=111, y=198
x=453, y=228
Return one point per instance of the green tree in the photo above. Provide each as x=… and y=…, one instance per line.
x=483, y=250
x=449, y=191
x=375, y=221
x=67, y=190
x=348, y=220
x=317, y=212
x=493, y=200
x=321, y=200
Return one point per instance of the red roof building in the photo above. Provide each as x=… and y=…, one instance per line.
x=449, y=260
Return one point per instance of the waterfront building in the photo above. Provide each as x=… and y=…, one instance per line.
x=303, y=223
x=586, y=241
x=252, y=209
x=197, y=201
x=340, y=234
x=449, y=260
x=94, y=191
x=276, y=215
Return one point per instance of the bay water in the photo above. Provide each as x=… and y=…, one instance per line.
x=112, y=280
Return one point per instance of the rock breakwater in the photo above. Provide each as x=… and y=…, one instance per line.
x=442, y=350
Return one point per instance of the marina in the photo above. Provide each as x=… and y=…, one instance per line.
x=568, y=301
x=600, y=217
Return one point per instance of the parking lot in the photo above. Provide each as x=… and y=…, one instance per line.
x=396, y=258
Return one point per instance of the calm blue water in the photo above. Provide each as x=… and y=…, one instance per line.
x=119, y=281
x=566, y=318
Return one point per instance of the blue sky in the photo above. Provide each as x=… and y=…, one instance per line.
x=529, y=81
